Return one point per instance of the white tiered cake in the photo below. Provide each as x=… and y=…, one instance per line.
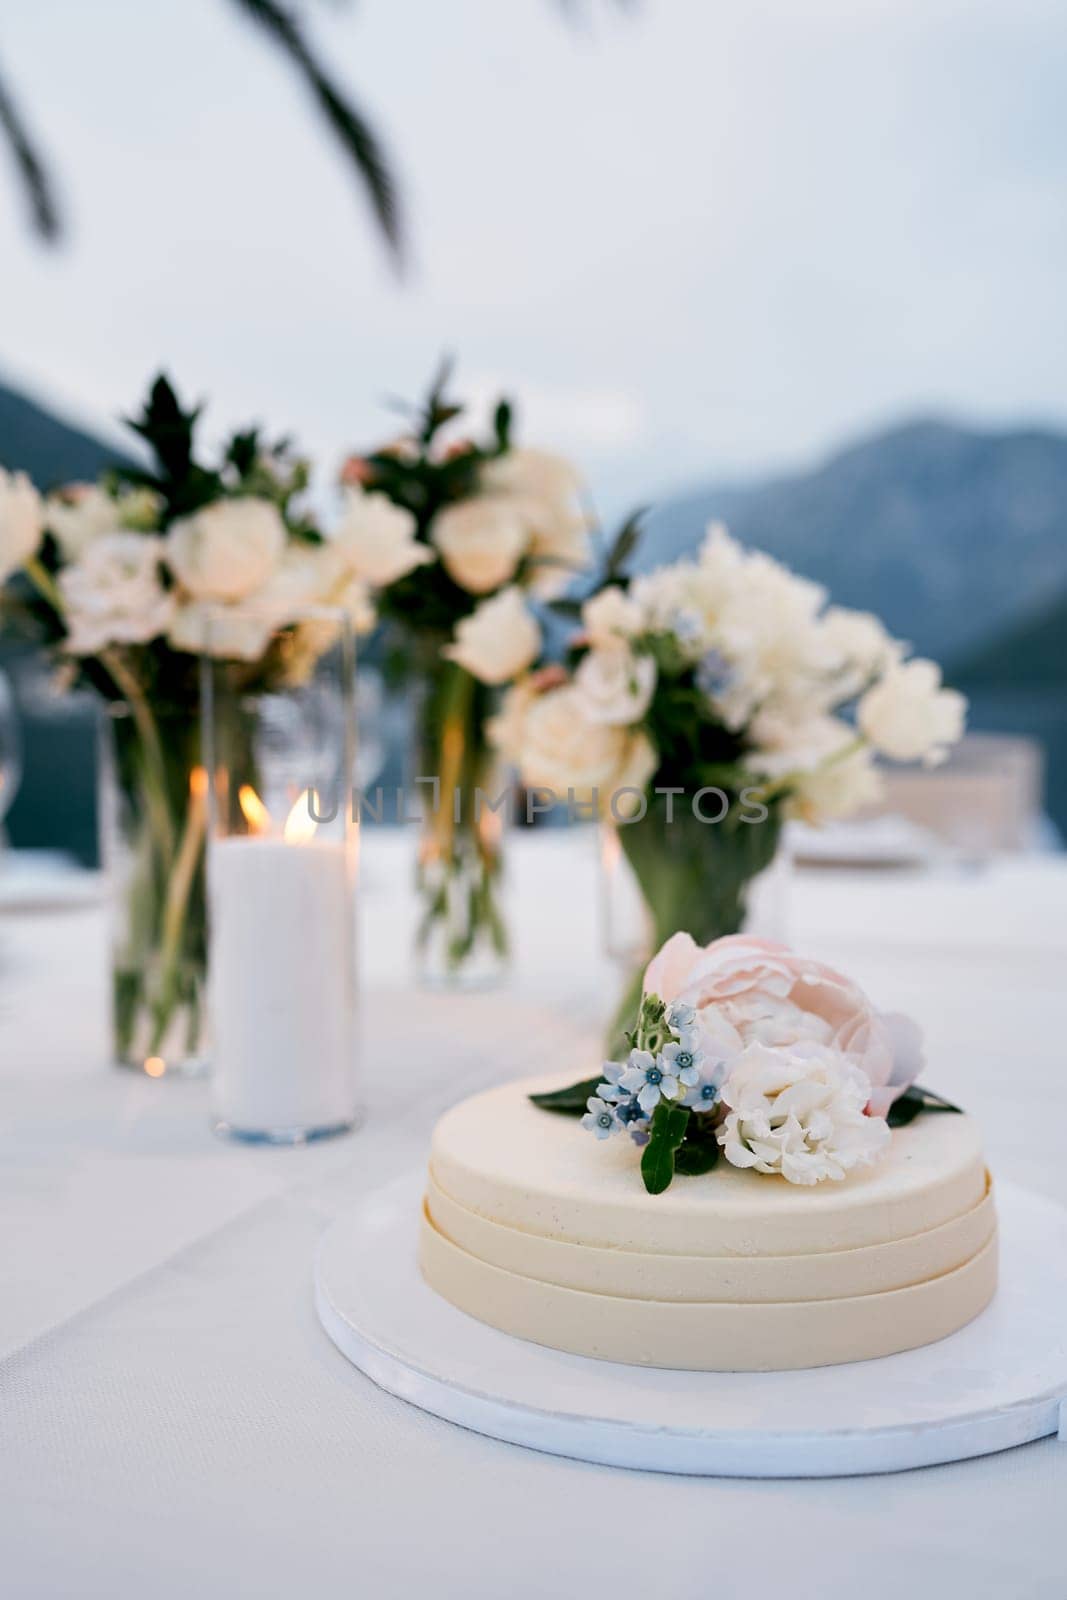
x=533, y=1227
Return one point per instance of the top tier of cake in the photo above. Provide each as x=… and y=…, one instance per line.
x=501, y=1157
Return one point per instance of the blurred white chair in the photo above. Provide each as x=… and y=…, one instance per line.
x=987, y=799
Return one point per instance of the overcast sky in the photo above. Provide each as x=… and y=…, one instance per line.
x=696, y=236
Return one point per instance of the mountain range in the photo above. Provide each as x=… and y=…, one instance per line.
x=953, y=535
x=52, y=451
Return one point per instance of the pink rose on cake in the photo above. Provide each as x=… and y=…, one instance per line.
x=771, y=996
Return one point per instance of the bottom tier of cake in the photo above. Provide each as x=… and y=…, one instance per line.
x=709, y=1336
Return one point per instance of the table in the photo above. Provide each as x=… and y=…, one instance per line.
x=174, y=1420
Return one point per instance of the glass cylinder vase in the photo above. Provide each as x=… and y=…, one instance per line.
x=691, y=876
x=152, y=809
x=281, y=886
x=461, y=937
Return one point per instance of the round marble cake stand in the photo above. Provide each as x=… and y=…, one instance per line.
x=999, y=1382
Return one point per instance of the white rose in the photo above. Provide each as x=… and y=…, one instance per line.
x=533, y=475
x=544, y=488
x=670, y=600
x=481, y=542
x=227, y=550
x=559, y=547
x=231, y=632
x=769, y=633
x=78, y=515
x=610, y=616
x=909, y=716
x=307, y=575
x=556, y=747
x=499, y=639
x=720, y=556
x=377, y=539
x=310, y=579
x=798, y=1111
x=690, y=598
x=827, y=781
x=321, y=575
x=616, y=686
x=114, y=595
x=839, y=788
x=21, y=522
x=860, y=645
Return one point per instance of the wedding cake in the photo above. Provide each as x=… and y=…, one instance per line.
x=764, y=1188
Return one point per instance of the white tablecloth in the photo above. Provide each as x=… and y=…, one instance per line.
x=174, y=1422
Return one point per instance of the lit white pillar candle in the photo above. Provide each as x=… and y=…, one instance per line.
x=282, y=974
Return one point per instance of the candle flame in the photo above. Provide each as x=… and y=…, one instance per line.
x=198, y=783
x=300, y=825
x=253, y=810
x=490, y=829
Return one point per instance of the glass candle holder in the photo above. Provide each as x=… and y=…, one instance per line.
x=279, y=746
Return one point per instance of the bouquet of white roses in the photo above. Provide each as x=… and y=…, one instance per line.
x=705, y=701
x=128, y=580
x=461, y=542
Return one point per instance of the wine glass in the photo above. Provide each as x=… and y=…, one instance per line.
x=10, y=750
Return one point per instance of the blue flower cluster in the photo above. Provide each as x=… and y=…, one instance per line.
x=631, y=1090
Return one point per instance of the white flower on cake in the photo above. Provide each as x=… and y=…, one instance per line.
x=798, y=1111
x=910, y=717
x=499, y=639
x=377, y=539
x=616, y=686
x=227, y=550
x=114, y=594
x=481, y=541
x=21, y=522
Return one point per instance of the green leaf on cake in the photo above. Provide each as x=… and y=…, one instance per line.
x=699, y=1151
x=693, y=1160
x=913, y=1102
x=669, y=1123
x=568, y=1102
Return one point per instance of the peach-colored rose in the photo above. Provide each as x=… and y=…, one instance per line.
x=775, y=997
